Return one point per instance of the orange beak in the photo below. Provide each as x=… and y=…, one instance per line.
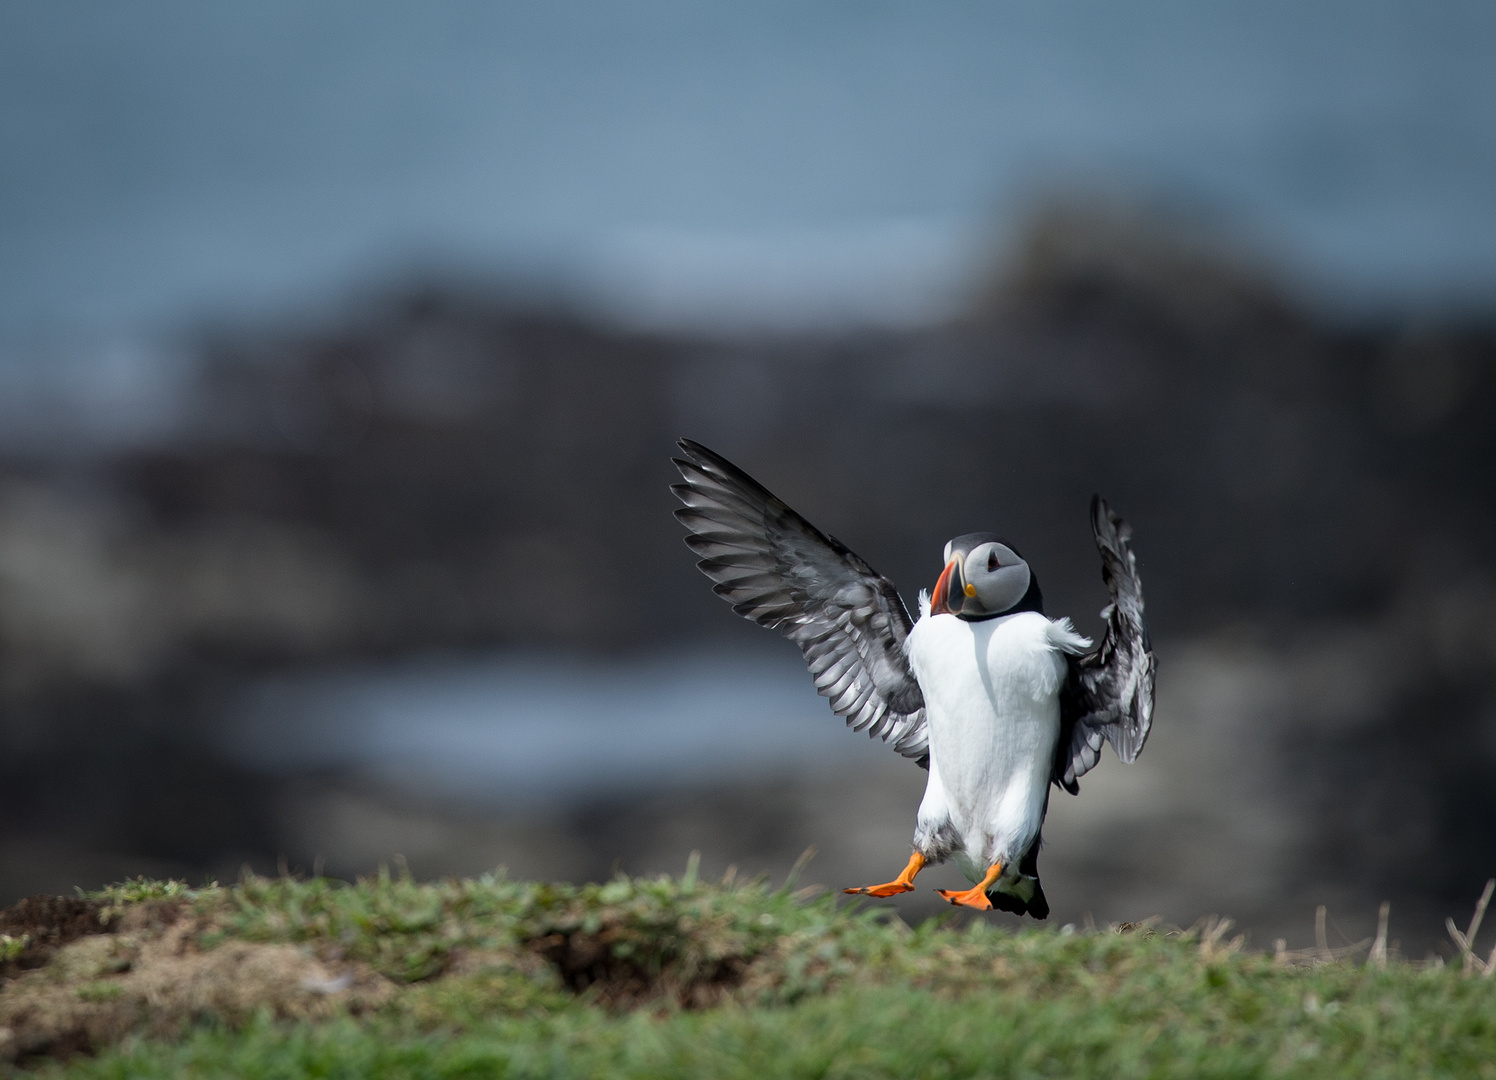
x=950, y=589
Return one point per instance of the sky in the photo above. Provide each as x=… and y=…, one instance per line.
x=786, y=163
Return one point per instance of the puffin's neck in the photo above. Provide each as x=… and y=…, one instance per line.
x=1033, y=600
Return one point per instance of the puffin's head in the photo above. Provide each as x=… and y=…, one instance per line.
x=984, y=577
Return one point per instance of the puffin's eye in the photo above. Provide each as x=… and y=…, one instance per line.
x=992, y=560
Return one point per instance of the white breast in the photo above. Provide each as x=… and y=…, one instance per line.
x=992, y=700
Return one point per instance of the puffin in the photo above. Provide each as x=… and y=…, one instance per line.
x=996, y=701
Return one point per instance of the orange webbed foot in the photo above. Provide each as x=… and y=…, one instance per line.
x=892, y=888
x=901, y=884
x=976, y=896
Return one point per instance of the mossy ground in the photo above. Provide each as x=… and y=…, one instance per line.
x=679, y=978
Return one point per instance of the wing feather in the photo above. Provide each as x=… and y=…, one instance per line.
x=1108, y=691
x=777, y=569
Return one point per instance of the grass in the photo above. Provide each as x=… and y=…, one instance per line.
x=678, y=978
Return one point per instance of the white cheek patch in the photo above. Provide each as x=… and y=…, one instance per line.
x=1000, y=590
x=1006, y=556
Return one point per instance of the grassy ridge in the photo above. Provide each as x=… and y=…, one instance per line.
x=666, y=978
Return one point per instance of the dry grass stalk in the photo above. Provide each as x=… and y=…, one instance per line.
x=1459, y=941
x=1465, y=942
x=1321, y=939
x=1378, y=955
x=1211, y=933
x=800, y=864
x=1480, y=913
x=1323, y=953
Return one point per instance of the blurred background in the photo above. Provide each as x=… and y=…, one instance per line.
x=343, y=347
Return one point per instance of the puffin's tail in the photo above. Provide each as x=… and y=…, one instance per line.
x=1036, y=905
x=1025, y=896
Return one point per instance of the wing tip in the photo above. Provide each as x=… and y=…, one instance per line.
x=1107, y=523
x=705, y=458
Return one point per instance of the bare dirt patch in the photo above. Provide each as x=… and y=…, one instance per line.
x=45, y=924
x=152, y=976
x=592, y=962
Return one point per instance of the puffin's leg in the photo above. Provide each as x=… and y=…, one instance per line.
x=902, y=883
x=976, y=896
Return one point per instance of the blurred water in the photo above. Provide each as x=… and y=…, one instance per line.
x=673, y=164
x=510, y=730
x=675, y=161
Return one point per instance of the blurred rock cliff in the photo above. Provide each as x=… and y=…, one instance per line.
x=444, y=470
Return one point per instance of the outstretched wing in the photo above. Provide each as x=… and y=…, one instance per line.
x=779, y=570
x=1108, y=692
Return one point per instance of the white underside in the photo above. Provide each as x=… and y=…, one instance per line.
x=992, y=704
